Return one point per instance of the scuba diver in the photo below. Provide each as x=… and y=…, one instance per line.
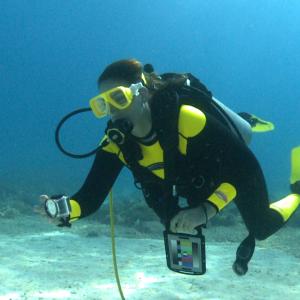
x=178, y=141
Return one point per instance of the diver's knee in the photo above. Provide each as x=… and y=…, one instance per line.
x=260, y=234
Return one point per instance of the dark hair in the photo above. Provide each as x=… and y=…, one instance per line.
x=131, y=70
x=128, y=70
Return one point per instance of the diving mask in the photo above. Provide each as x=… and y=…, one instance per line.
x=119, y=97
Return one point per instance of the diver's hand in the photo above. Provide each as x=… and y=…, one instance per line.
x=186, y=220
x=60, y=217
x=40, y=207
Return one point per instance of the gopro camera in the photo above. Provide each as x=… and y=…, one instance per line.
x=58, y=208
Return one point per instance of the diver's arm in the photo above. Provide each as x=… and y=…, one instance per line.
x=212, y=147
x=91, y=195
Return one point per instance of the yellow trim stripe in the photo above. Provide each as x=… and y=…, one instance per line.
x=223, y=195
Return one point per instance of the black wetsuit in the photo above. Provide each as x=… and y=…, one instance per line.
x=213, y=156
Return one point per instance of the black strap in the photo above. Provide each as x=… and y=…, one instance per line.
x=119, y=133
x=165, y=108
x=165, y=114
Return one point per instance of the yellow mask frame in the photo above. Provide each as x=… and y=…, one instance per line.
x=119, y=97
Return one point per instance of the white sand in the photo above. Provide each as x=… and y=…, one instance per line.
x=64, y=265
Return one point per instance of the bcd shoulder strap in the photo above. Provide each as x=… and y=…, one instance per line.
x=165, y=107
x=165, y=113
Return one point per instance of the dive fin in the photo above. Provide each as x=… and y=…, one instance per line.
x=295, y=170
x=244, y=254
x=257, y=124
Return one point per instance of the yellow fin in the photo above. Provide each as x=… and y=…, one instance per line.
x=295, y=165
x=260, y=125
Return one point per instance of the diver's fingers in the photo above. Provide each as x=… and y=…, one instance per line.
x=44, y=197
x=186, y=227
x=189, y=228
x=174, y=222
x=184, y=223
x=39, y=209
x=181, y=224
x=194, y=231
x=173, y=225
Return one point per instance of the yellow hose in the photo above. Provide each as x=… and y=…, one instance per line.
x=113, y=244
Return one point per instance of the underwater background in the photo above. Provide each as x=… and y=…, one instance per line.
x=52, y=52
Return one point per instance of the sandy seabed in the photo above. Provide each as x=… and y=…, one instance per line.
x=62, y=264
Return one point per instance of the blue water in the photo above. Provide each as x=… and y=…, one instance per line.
x=52, y=52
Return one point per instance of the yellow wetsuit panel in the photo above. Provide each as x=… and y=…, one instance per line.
x=113, y=148
x=152, y=156
x=153, y=159
x=191, y=122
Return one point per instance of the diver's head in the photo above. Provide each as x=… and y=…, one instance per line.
x=128, y=71
x=123, y=93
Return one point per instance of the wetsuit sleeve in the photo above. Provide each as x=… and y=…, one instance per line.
x=101, y=177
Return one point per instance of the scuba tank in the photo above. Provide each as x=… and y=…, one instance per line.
x=241, y=125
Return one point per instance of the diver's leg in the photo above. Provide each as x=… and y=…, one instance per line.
x=253, y=205
x=287, y=206
x=261, y=218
